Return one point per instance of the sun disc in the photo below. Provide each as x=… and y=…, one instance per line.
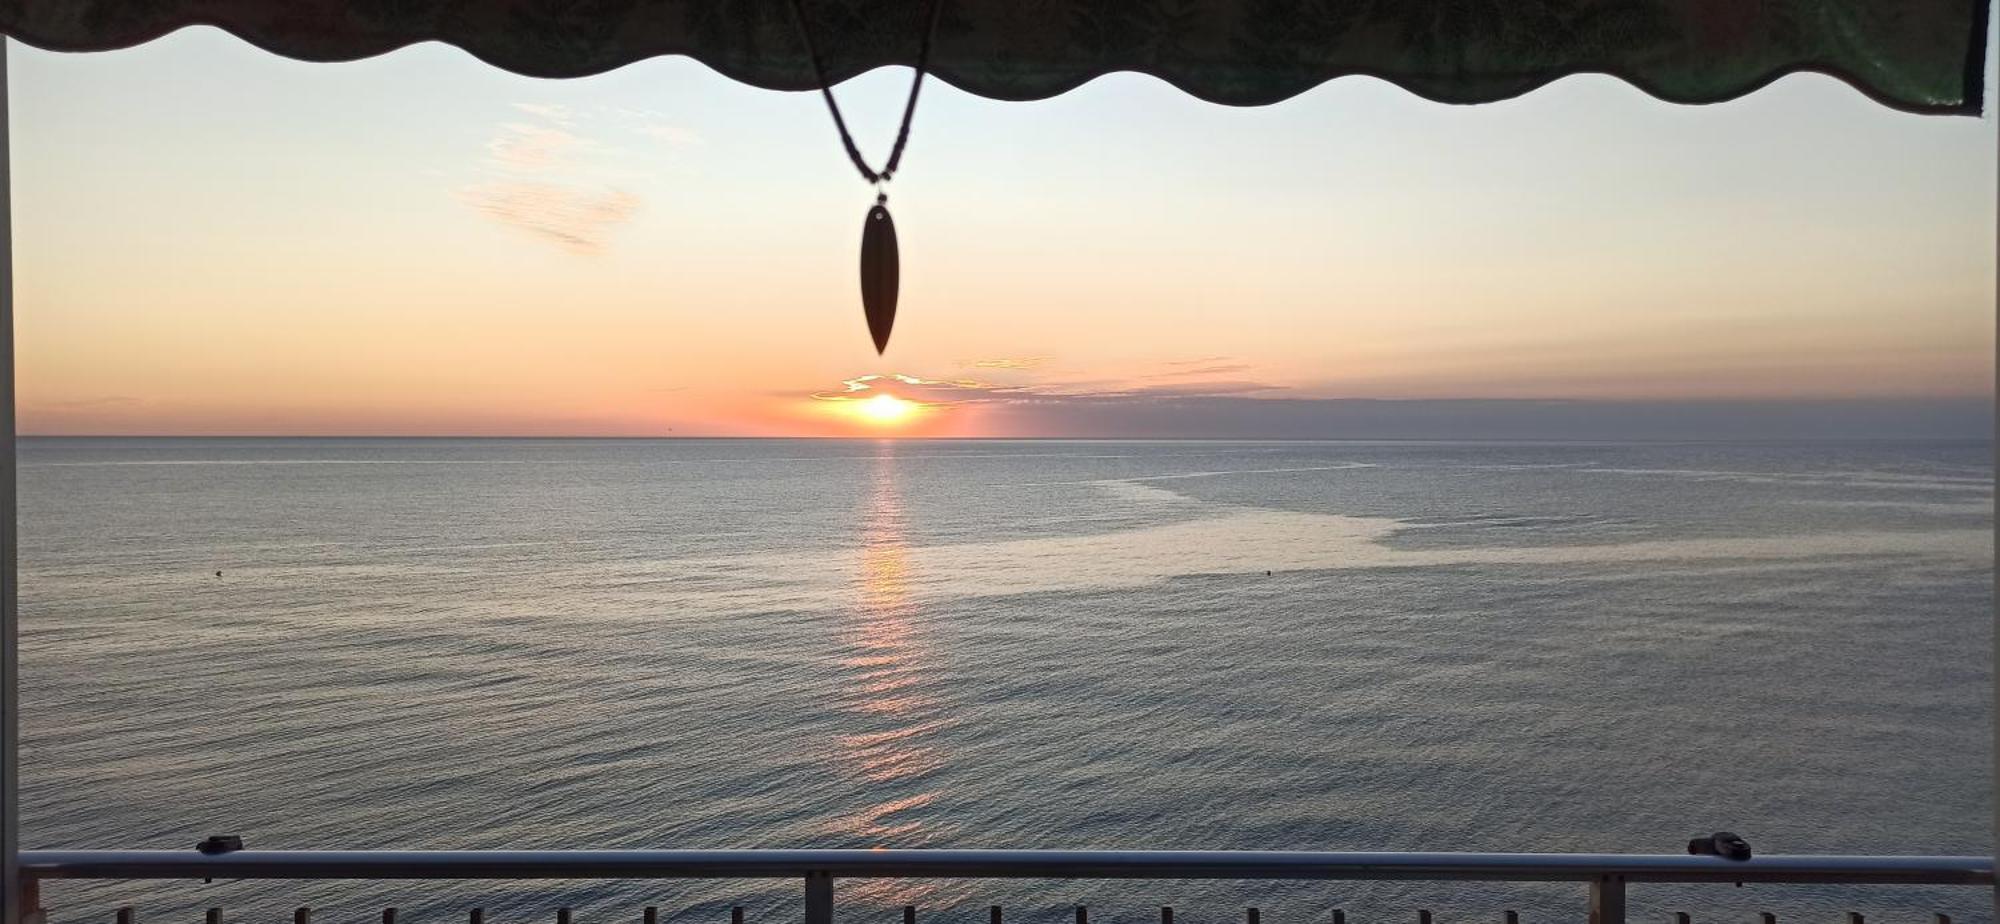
x=887, y=409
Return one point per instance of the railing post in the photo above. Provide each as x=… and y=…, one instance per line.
x=13, y=889
x=30, y=895
x=819, y=898
x=1607, y=900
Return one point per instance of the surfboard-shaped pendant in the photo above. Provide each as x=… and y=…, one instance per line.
x=879, y=270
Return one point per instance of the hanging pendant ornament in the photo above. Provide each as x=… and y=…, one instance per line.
x=880, y=261
x=879, y=269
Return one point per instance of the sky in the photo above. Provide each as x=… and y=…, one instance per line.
x=213, y=240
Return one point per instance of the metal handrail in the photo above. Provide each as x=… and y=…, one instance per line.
x=1606, y=874
x=992, y=864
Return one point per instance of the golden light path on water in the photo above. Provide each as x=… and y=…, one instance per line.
x=890, y=700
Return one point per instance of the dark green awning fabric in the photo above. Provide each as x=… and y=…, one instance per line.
x=1918, y=55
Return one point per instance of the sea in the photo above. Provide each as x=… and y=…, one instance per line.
x=682, y=643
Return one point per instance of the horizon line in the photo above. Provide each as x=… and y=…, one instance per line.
x=976, y=439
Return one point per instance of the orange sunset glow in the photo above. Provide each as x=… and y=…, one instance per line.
x=886, y=410
x=866, y=404
x=256, y=248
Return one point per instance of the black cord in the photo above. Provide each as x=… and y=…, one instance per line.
x=909, y=108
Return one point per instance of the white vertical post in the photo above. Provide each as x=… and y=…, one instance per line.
x=10, y=724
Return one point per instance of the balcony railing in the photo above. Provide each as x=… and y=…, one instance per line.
x=1605, y=875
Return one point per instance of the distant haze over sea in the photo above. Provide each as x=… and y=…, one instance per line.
x=1168, y=417
x=1511, y=419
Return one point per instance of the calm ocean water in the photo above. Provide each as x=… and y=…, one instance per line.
x=688, y=643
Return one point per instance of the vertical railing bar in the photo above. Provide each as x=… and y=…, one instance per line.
x=909, y=914
x=126, y=915
x=1339, y=916
x=388, y=915
x=1682, y=917
x=1513, y=917
x=993, y=915
x=651, y=915
x=1607, y=900
x=1082, y=914
x=1166, y=914
x=302, y=915
x=14, y=891
x=819, y=897
x=562, y=916
x=736, y=914
x=1423, y=916
x=1251, y=916
x=215, y=916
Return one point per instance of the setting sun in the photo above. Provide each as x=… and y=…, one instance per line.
x=886, y=409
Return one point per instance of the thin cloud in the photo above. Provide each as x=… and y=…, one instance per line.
x=656, y=126
x=1202, y=390
x=935, y=392
x=532, y=172
x=524, y=148
x=1022, y=362
x=945, y=393
x=576, y=219
x=1216, y=369
x=554, y=112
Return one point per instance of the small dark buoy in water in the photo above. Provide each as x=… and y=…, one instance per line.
x=218, y=574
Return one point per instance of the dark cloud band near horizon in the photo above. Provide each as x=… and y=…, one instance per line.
x=1232, y=417
x=1232, y=409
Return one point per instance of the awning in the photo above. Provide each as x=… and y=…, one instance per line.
x=1924, y=56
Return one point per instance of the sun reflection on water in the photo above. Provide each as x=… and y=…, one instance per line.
x=891, y=704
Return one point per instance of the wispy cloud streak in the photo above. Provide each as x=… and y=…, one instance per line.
x=546, y=178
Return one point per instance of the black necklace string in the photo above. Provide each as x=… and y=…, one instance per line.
x=909, y=108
